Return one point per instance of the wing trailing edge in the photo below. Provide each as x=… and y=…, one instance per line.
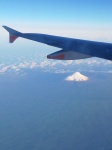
x=67, y=55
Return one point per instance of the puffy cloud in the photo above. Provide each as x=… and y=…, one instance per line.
x=18, y=67
x=58, y=66
x=15, y=68
x=33, y=65
x=44, y=63
x=108, y=62
x=24, y=65
x=4, y=69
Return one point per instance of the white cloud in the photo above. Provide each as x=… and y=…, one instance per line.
x=79, y=61
x=33, y=65
x=108, y=62
x=24, y=65
x=15, y=68
x=58, y=66
x=4, y=69
x=44, y=63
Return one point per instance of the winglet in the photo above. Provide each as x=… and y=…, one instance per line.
x=13, y=34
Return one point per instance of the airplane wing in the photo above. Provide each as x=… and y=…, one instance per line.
x=71, y=49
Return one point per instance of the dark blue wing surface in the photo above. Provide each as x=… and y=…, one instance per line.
x=72, y=49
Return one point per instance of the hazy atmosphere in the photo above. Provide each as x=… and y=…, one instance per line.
x=53, y=104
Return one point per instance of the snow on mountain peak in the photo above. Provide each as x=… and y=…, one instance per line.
x=77, y=77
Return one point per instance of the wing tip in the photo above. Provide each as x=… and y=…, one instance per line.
x=13, y=34
x=12, y=38
x=5, y=27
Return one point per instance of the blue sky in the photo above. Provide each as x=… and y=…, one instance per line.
x=59, y=11
x=74, y=18
x=82, y=11
x=60, y=15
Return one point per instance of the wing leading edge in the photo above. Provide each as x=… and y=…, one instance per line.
x=72, y=49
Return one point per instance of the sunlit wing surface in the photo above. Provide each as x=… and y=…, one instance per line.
x=71, y=49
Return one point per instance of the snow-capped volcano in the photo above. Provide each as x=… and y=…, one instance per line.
x=77, y=77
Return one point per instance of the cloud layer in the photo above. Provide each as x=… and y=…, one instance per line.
x=59, y=66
